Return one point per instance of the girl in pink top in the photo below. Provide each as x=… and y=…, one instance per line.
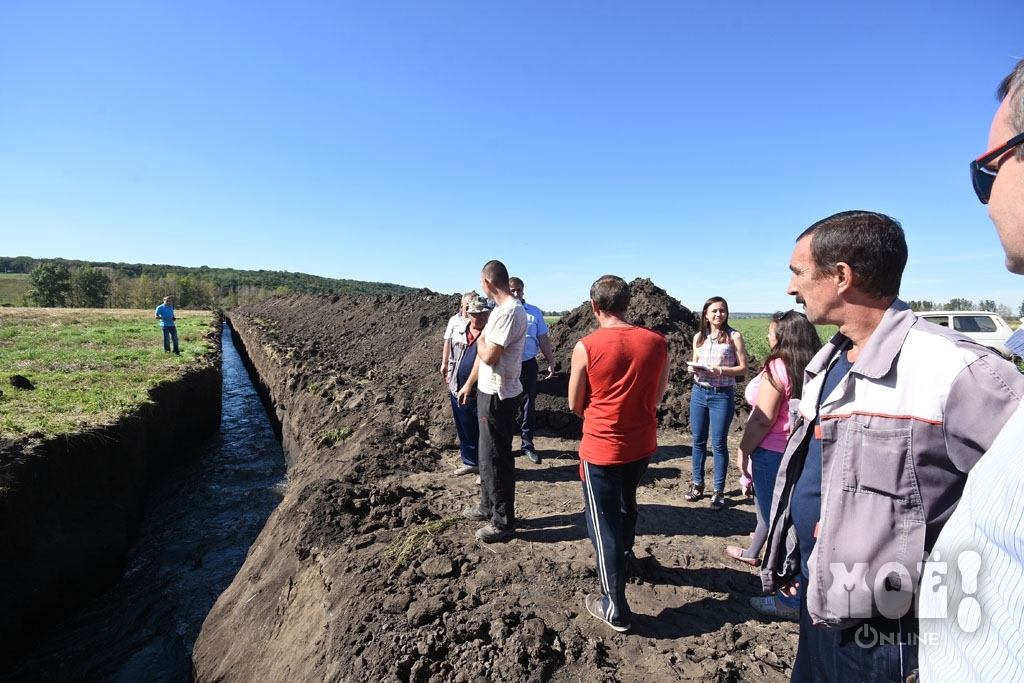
x=793, y=342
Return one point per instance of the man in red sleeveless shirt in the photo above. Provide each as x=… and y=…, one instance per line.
x=619, y=376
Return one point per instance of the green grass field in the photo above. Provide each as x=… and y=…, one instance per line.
x=755, y=334
x=14, y=289
x=89, y=366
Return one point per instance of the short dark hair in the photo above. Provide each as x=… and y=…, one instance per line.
x=611, y=294
x=496, y=272
x=515, y=282
x=872, y=244
x=1013, y=87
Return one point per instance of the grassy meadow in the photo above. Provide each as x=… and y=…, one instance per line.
x=14, y=289
x=89, y=366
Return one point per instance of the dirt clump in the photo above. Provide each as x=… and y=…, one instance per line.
x=368, y=572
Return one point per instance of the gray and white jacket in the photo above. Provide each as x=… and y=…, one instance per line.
x=916, y=411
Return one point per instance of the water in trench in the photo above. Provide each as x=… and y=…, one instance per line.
x=199, y=523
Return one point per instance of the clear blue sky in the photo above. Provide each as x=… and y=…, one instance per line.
x=412, y=141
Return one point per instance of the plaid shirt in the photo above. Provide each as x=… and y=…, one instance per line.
x=712, y=353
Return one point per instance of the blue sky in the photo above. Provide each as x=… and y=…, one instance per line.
x=412, y=141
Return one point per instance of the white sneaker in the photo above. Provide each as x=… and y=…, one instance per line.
x=771, y=607
x=466, y=469
x=595, y=605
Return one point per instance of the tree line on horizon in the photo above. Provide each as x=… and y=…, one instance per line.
x=62, y=282
x=89, y=284
x=967, y=305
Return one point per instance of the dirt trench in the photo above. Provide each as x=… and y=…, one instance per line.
x=368, y=572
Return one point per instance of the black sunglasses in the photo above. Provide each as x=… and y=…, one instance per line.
x=780, y=315
x=981, y=176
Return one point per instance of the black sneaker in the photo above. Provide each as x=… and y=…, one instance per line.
x=595, y=605
x=533, y=455
x=474, y=515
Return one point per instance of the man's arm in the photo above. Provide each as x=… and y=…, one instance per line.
x=663, y=383
x=578, y=385
x=980, y=401
x=487, y=352
x=444, y=357
x=545, y=347
x=467, y=388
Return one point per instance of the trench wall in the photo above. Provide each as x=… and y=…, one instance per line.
x=76, y=502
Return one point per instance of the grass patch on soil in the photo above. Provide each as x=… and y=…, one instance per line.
x=406, y=546
x=89, y=366
x=755, y=334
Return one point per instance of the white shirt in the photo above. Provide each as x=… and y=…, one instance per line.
x=981, y=549
x=507, y=328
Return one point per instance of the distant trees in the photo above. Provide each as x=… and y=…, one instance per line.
x=51, y=284
x=967, y=305
x=62, y=282
x=18, y=264
x=54, y=284
x=90, y=288
x=960, y=305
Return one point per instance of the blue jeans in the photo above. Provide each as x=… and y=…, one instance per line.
x=709, y=407
x=468, y=427
x=609, y=497
x=764, y=465
x=170, y=335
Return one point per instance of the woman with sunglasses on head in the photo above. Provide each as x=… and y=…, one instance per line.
x=719, y=357
x=792, y=343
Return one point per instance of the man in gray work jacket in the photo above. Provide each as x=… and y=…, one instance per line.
x=894, y=413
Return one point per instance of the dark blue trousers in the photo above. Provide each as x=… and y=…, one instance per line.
x=467, y=426
x=609, y=498
x=528, y=401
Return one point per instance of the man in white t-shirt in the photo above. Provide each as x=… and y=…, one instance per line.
x=496, y=375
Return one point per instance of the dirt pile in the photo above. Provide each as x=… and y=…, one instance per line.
x=368, y=572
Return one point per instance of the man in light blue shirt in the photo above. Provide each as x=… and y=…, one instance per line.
x=165, y=314
x=536, y=339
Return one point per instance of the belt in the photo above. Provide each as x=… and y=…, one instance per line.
x=716, y=390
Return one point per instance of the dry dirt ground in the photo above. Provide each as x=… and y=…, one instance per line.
x=368, y=572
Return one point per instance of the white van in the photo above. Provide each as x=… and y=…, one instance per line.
x=982, y=326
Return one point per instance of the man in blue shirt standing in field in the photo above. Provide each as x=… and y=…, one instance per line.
x=165, y=314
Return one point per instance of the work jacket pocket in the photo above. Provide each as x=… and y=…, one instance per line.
x=879, y=462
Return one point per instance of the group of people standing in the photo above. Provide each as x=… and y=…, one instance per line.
x=489, y=362
x=880, y=460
